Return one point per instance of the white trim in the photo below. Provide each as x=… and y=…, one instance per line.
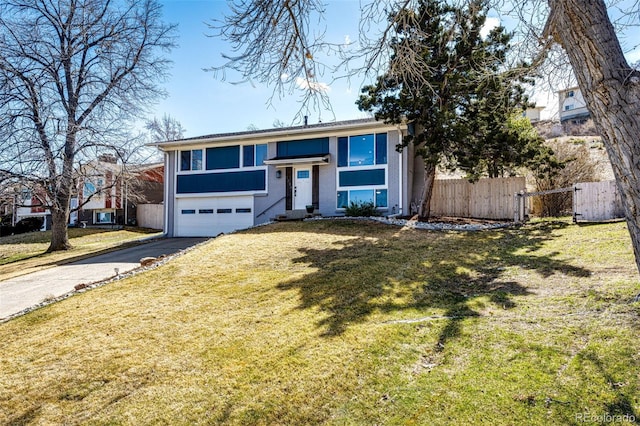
x=166, y=203
x=312, y=161
x=221, y=194
x=217, y=171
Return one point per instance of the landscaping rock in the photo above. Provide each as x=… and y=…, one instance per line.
x=147, y=261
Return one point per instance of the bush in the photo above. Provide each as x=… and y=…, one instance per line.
x=6, y=230
x=28, y=224
x=6, y=219
x=361, y=209
x=578, y=166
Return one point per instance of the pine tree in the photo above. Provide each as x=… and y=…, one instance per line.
x=460, y=111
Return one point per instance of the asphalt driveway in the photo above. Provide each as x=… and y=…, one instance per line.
x=20, y=293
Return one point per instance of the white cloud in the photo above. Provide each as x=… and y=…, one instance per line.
x=489, y=24
x=313, y=85
x=347, y=40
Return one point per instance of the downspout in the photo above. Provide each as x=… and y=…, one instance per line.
x=400, y=180
x=165, y=207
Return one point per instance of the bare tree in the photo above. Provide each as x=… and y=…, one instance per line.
x=165, y=129
x=583, y=28
x=611, y=88
x=279, y=42
x=73, y=74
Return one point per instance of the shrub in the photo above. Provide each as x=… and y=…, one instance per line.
x=361, y=209
x=28, y=224
x=6, y=230
x=578, y=166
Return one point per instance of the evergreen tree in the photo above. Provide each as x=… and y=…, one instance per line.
x=460, y=110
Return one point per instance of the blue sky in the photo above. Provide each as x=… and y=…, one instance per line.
x=205, y=105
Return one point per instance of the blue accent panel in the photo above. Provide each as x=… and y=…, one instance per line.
x=362, y=177
x=381, y=148
x=343, y=151
x=303, y=147
x=224, y=157
x=254, y=180
x=247, y=156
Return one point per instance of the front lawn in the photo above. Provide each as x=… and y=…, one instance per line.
x=23, y=253
x=344, y=322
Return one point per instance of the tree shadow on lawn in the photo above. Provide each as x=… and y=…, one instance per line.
x=390, y=270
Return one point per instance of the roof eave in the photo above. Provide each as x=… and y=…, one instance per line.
x=277, y=134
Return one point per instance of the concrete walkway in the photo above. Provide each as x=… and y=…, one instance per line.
x=19, y=293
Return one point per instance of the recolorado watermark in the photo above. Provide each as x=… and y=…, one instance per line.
x=605, y=418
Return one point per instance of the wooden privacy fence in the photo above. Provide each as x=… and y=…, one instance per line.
x=592, y=201
x=485, y=199
x=150, y=216
x=597, y=201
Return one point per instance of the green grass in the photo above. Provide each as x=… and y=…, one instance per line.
x=340, y=322
x=23, y=253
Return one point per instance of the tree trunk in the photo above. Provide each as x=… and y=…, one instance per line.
x=611, y=89
x=427, y=191
x=59, y=230
x=61, y=199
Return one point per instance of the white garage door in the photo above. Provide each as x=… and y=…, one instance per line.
x=208, y=217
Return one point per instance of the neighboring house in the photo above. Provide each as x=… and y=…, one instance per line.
x=29, y=203
x=572, y=106
x=107, y=193
x=533, y=113
x=7, y=205
x=110, y=192
x=224, y=182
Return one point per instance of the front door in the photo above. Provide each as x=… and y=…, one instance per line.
x=302, y=187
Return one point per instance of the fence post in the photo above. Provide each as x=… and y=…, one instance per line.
x=574, y=202
x=516, y=207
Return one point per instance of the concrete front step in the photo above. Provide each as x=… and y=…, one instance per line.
x=295, y=215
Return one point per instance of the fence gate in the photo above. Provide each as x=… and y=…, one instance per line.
x=597, y=201
x=592, y=202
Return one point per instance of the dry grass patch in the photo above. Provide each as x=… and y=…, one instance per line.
x=24, y=253
x=342, y=323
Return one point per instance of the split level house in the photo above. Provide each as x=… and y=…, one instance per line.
x=108, y=194
x=224, y=182
x=111, y=192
